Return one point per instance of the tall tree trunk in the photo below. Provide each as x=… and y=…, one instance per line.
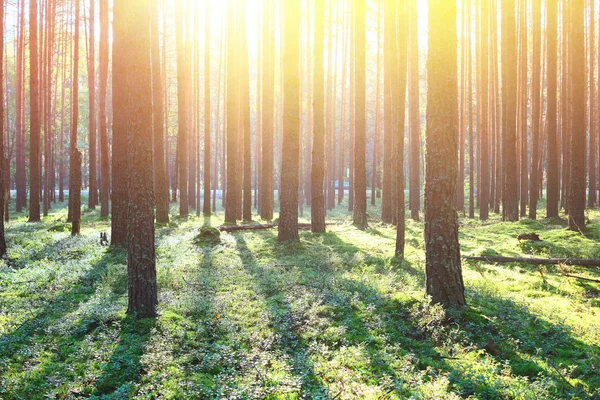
x=75, y=160
x=233, y=178
x=576, y=191
x=443, y=270
x=266, y=195
x=510, y=200
x=160, y=175
x=122, y=139
x=523, y=102
x=92, y=197
x=565, y=100
x=20, y=173
x=359, y=215
x=207, y=115
x=376, y=135
x=245, y=112
x=470, y=114
x=135, y=16
x=318, y=148
x=389, y=29
x=484, y=133
x=553, y=177
x=3, y=164
x=34, y=115
x=102, y=119
x=592, y=157
x=535, y=104
x=288, y=219
x=183, y=102
x=414, y=154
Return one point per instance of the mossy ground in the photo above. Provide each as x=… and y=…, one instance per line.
x=334, y=316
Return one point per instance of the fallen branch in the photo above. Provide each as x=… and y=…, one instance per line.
x=582, y=262
x=583, y=278
x=257, y=227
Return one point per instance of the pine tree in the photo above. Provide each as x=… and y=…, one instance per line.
x=288, y=217
x=34, y=115
x=443, y=269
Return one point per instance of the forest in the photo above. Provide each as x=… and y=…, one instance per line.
x=300, y=199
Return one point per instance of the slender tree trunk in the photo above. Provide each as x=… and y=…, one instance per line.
x=161, y=186
x=376, y=139
x=400, y=110
x=470, y=114
x=76, y=158
x=183, y=101
x=551, y=113
x=20, y=174
x=359, y=216
x=414, y=154
x=592, y=157
x=443, y=269
x=535, y=104
x=3, y=163
x=565, y=100
x=92, y=197
x=484, y=133
x=34, y=115
x=318, y=148
x=136, y=16
x=523, y=102
x=510, y=201
x=288, y=219
x=576, y=191
x=389, y=28
x=207, y=115
x=245, y=111
x=268, y=109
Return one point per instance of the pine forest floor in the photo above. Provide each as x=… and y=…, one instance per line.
x=334, y=316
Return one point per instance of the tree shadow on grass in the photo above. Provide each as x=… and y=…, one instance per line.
x=534, y=347
x=285, y=323
x=25, y=348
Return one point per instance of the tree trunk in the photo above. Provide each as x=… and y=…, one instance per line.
x=592, y=157
x=34, y=115
x=207, y=115
x=359, y=215
x=443, y=269
x=535, y=104
x=135, y=16
x=576, y=191
x=183, y=101
x=160, y=176
x=266, y=195
x=400, y=110
x=414, y=154
x=92, y=197
x=318, y=148
x=484, y=134
x=376, y=138
x=553, y=177
x=3, y=165
x=288, y=219
x=510, y=200
x=75, y=174
x=389, y=28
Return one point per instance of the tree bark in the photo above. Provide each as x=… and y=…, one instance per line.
x=553, y=177
x=576, y=191
x=75, y=173
x=288, y=217
x=34, y=115
x=266, y=196
x=443, y=270
x=92, y=196
x=359, y=214
x=183, y=99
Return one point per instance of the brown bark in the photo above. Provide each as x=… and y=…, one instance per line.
x=510, y=200
x=288, y=217
x=266, y=195
x=553, y=177
x=523, y=102
x=359, y=215
x=3, y=164
x=34, y=115
x=161, y=186
x=484, y=132
x=577, y=145
x=318, y=148
x=92, y=197
x=20, y=173
x=183, y=103
x=207, y=114
x=414, y=153
x=592, y=157
x=389, y=28
x=535, y=104
x=376, y=136
x=443, y=269
x=135, y=17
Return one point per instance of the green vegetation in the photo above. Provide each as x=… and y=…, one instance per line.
x=334, y=316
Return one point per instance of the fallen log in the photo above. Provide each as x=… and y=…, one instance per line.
x=256, y=227
x=581, y=262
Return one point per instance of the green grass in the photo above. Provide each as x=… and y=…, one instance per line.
x=334, y=316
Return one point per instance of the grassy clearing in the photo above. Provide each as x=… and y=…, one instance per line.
x=335, y=316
